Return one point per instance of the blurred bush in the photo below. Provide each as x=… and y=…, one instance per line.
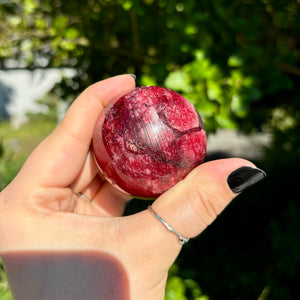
x=182, y=289
x=5, y=293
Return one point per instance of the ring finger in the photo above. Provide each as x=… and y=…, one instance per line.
x=86, y=175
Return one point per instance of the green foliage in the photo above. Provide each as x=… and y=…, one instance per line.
x=9, y=167
x=5, y=293
x=220, y=99
x=16, y=144
x=227, y=57
x=182, y=289
x=40, y=36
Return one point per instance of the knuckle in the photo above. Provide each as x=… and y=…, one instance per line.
x=207, y=204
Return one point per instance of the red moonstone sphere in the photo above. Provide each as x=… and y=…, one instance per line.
x=148, y=140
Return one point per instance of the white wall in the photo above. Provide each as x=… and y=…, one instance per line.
x=20, y=89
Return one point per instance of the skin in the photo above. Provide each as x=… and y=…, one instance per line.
x=56, y=245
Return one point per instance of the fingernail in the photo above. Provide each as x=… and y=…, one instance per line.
x=133, y=76
x=244, y=177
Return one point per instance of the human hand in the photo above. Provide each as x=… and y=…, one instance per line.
x=56, y=244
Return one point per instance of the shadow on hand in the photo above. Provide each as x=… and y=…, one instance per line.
x=65, y=275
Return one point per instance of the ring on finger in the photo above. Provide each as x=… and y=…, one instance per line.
x=182, y=240
x=83, y=196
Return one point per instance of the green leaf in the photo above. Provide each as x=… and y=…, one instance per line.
x=238, y=106
x=175, y=289
x=26, y=45
x=235, y=60
x=29, y=6
x=148, y=80
x=178, y=81
x=224, y=119
x=199, y=54
x=207, y=108
x=41, y=23
x=67, y=45
x=127, y=4
x=214, y=91
x=5, y=294
x=191, y=29
x=236, y=78
x=72, y=33
x=60, y=23
x=14, y=21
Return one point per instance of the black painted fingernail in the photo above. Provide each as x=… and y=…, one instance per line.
x=244, y=177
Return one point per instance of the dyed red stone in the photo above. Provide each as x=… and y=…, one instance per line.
x=148, y=140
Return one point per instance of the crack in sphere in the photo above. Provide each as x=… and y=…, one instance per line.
x=148, y=140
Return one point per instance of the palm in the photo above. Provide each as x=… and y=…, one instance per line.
x=63, y=165
x=97, y=198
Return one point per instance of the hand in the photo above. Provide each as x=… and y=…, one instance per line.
x=56, y=244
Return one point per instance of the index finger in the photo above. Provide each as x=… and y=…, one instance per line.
x=60, y=157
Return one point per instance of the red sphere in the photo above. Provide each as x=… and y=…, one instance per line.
x=148, y=140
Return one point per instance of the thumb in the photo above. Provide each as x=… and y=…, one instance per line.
x=194, y=203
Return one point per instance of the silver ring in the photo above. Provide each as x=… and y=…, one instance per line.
x=84, y=197
x=182, y=240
